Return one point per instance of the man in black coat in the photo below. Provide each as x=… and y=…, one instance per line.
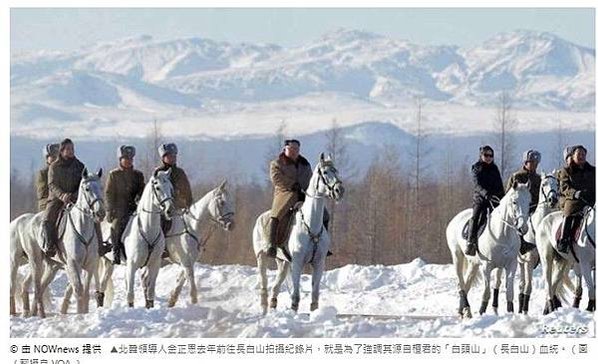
x=488, y=189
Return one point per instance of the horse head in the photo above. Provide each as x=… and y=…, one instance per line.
x=549, y=189
x=222, y=207
x=517, y=204
x=328, y=180
x=163, y=192
x=90, y=194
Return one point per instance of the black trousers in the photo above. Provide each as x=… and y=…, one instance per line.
x=479, y=210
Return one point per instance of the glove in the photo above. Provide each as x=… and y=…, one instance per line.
x=109, y=216
x=577, y=194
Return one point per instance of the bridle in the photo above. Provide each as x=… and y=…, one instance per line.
x=329, y=187
x=161, y=202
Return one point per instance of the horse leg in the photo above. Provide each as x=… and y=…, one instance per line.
x=263, y=277
x=153, y=268
x=496, y=290
x=105, y=271
x=74, y=272
x=190, y=273
x=86, y=286
x=130, y=282
x=25, y=294
x=586, y=271
x=487, y=274
x=282, y=272
x=458, y=263
x=521, y=285
x=174, y=295
x=296, y=277
x=510, y=277
x=547, y=272
x=38, y=302
x=14, y=268
x=66, y=300
x=526, y=280
x=578, y=290
x=316, y=278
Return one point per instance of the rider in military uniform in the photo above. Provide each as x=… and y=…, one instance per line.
x=123, y=189
x=531, y=159
x=577, y=182
x=50, y=153
x=183, y=197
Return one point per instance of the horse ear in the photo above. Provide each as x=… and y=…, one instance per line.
x=222, y=185
x=515, y=184
x=100, y=173
x=84, y=173
x=155, y=173
x=321, y=157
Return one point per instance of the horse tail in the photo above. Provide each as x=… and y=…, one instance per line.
x=477, y=280
x=560, y=278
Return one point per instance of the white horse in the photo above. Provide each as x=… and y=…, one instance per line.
x=143, y=238
x=77, y=248
x=498, y=246
x=186, y=238
x=308, y=240
x=547, y=203
x=581, y=257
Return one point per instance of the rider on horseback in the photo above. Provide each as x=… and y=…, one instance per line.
x=488, y=189
x=64, y=177
x=50, y=153
x=577, y=184
x=531, y=159
x=124, y=187
x=183, y=197
x=290, y=173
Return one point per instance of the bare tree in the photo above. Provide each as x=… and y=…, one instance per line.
x=505, y=124
x=559, y=144
x=150, y=159
x=275, y=148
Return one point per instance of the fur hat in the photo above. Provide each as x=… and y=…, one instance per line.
x=567, y=152
x=64, y=143
x=125, y=151
x=50, y=150
x=169, y=148
x=532, y=156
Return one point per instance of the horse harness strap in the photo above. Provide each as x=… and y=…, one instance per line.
x=315, y=238
x=151, y=244
x=80, y=236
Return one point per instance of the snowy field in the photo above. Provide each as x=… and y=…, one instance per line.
x=424, y=296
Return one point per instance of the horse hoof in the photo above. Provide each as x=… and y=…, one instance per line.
x=295, y=306
x=130, y=304
x=510, y=307
x=467, y=312
x=591, y=305
x=100, y=299
x=483, y=307
x=273, y=302
x=149, y=304
x=576, y=302
x=495, y=310
x=313, y=306
x=194, y=300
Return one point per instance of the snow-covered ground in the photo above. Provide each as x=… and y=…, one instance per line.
x=229, y=307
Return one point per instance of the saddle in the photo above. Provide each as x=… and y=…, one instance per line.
x=482, y=226
x=576, y=233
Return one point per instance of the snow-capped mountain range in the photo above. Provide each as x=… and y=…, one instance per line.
x=212, y=88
